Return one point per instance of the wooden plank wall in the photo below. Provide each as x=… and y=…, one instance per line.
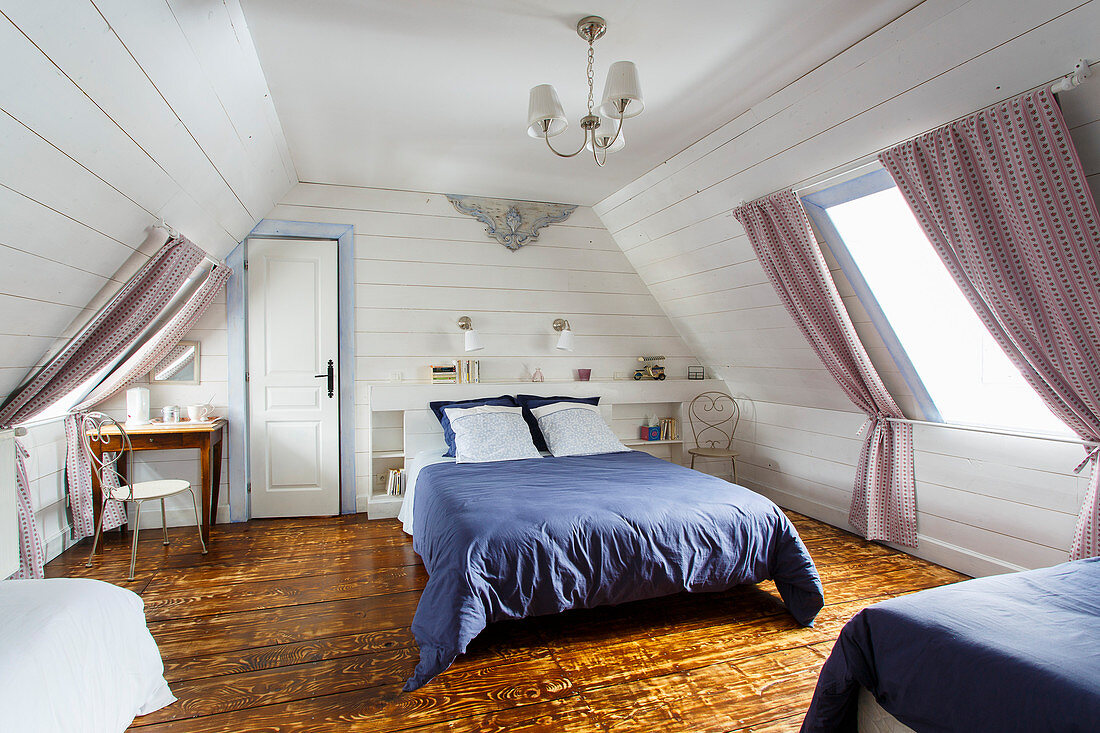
x=986, y=503
x=114, y=115
x=420, y=265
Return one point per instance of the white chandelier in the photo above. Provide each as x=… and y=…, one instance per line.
x=603, y=132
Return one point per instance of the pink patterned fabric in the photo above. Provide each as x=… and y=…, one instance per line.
x=884, y=495
x=112, y=331
x=141, y=363
x=1002, y=198
x=78, y=470
x=32, y=556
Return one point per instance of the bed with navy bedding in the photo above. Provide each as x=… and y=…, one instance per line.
x=512, y=539
x=1017, y=652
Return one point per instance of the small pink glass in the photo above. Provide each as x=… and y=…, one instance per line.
x=583, y=375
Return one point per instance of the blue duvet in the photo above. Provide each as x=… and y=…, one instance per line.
x=1018, y=652
x=512, y=539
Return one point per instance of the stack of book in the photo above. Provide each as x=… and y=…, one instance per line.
x=469, y=371
x=668, y=428
x=395, y=482
x=445, y=373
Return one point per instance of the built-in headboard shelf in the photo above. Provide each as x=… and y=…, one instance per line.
x=404, y=407
x=403, y=397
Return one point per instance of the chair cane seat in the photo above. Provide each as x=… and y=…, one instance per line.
x=144, y=490
x=713, y=452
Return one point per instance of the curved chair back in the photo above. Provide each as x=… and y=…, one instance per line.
x=91, y=428
x=714, y=417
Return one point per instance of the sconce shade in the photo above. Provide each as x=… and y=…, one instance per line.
x=605, y=132
x=622, y=84
x=545, y=105
x=565, y=340
x=473, y=341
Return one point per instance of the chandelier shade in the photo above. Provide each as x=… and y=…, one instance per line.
x=605, y=138
x=545, y=115
x=622, y=92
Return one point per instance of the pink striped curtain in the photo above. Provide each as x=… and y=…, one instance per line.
x=1002, y=198
x=138, y=365
x=111, y=332
x=884, y=494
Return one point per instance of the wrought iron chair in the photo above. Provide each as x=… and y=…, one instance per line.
x=714, y=417
x=97, y=426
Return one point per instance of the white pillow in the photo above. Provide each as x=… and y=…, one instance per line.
x=490, y=433
x=576, y=429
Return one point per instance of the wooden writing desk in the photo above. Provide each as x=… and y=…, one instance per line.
x=206, y=436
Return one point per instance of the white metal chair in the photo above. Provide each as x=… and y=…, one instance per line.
x=97, y=426
x=714, y=417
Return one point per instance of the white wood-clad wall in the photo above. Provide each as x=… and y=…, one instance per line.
x=113, y=115
x=985, y=503
x=420, y=265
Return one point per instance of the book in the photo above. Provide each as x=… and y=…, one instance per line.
x=395, y=482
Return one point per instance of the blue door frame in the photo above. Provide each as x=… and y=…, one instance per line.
x=237, y=326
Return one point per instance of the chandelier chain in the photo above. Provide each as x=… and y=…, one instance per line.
x=591, y=57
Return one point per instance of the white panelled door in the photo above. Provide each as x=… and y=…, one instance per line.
x=294, y=401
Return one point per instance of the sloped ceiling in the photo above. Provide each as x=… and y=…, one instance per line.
x=432, y=94
x=113, y=115
x=939, y=62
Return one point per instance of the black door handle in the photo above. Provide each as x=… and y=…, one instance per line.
x=331, y=376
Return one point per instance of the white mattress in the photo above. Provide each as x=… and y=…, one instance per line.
x=76, y=655
x=872, y=718
x=413, y=466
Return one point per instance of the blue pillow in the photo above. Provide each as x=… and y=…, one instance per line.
x=449, y=434
x=530, y=401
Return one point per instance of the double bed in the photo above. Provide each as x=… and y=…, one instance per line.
x=1016, y=652
x=513, y=539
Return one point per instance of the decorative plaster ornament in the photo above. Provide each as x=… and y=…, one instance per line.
x=512, y=223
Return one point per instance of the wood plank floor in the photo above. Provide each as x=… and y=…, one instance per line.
x=303, y=625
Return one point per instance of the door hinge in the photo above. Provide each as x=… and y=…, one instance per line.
x=249, y=487
x=246, y=264
x=246, y=376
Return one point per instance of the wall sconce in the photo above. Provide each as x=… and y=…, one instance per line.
x=473, y=340
x=565, y=340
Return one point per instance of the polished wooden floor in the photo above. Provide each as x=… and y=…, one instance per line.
x=303, y=625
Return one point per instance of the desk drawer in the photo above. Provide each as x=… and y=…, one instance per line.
x=156, y=442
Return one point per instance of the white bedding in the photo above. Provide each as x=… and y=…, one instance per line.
x=872, y=718
x=76, y=655
x=413, y=466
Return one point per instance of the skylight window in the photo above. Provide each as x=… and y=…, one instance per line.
x=953, y=367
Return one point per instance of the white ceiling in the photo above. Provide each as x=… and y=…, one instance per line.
x=432, y=94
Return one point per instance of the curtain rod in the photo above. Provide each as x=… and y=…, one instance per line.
x=174, y=233
x=1074, y=79
x=996, y=431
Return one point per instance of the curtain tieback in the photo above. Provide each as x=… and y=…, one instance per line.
x=871, y=420
x=1093, y=455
